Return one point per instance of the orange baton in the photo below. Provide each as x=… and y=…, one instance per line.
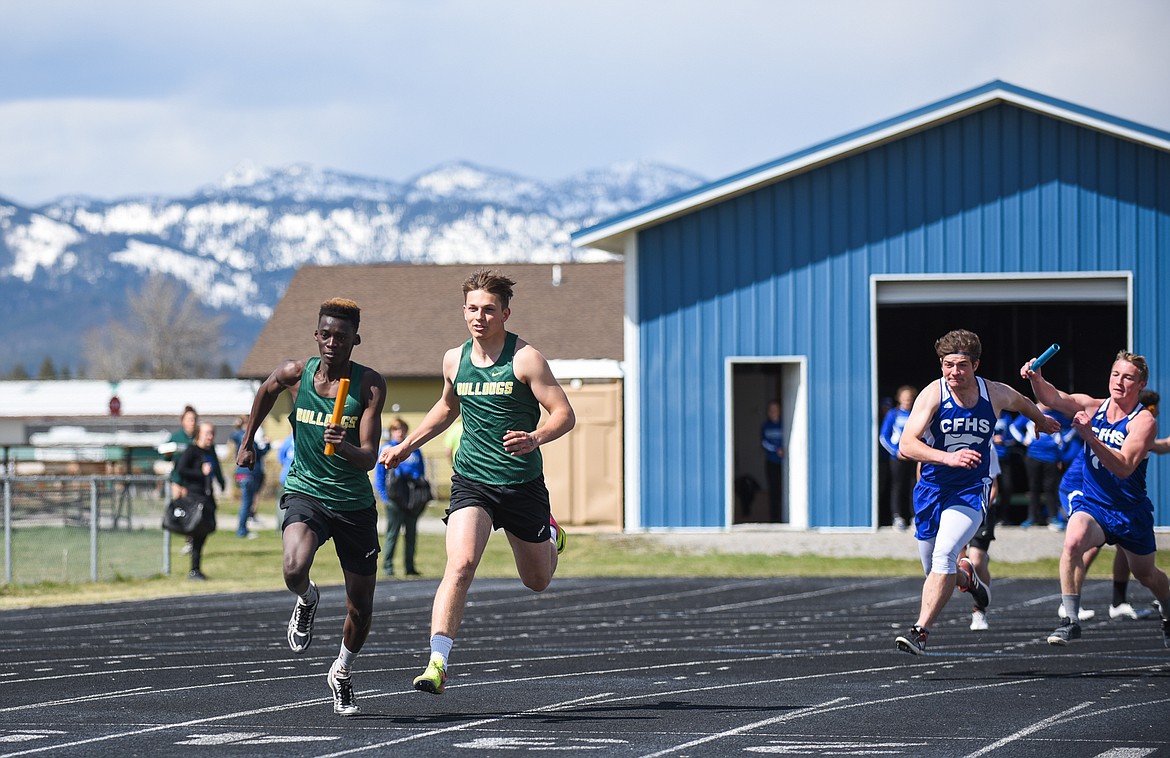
x=338, y=409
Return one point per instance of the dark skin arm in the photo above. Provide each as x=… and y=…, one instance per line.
x=287, y=375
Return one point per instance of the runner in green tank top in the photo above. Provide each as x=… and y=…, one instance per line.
x=500, y=383
x=492, y=403
x=328, y=496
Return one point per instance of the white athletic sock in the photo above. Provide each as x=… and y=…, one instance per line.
x=311, y=595
x=441, y=646
x=1072, y=606
x=345, y=657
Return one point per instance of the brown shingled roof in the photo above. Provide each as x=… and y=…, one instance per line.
x=411, y=313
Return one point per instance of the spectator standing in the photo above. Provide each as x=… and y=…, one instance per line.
x=199, y=470
x=394, y=486
x=901, y=470
x=249, y=481
x=772, y=441
x=1042, y=458
x=285, y=456
x=178, y=442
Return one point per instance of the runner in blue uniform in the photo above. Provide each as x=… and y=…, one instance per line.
x=949, y=431
x=1119, y=434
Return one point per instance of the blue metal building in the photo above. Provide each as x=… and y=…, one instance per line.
x=821, y=278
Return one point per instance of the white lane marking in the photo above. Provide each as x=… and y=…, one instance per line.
x=786, y=598
x=249, y=738
x=71, y=700
x=1073, y=715
x=1038, y=726
x=715, y=589
x=837, y=748
x=830, y=707
x=540, y=743
x=471, y=725
x=748, y=727
x=28, y=735
x=1127, y=752
x=643, y=600
x=165, y=727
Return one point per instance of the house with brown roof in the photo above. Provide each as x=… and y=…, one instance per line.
x=411, y=314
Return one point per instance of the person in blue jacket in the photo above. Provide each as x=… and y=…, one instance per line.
x=249, y=481
x=772, y=441
x=285, y=456
x=399, y=514
x=902, y=471
x=1006, y=448
x=1042, y=458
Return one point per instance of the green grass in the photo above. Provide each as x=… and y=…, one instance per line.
x=61, y=554
x=236, y=565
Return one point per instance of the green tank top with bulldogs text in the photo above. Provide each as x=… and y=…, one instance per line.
x=492, y=401
x=333, y=480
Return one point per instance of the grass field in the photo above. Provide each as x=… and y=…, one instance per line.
x=61, y=554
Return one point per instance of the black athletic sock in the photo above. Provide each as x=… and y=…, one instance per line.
x=1120, y=590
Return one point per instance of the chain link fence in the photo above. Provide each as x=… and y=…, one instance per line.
x=72, y=529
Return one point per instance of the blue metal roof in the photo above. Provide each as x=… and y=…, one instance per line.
x=952, y=107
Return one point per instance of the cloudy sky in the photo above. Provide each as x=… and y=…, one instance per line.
x=124, y=97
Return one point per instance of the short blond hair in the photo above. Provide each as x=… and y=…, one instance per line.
x=1138, y=361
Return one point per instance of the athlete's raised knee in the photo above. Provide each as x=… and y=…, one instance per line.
x=537, y=583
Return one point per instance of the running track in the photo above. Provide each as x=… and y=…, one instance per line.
x=678, y=667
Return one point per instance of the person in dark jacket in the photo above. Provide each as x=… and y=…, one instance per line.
x=198, y=469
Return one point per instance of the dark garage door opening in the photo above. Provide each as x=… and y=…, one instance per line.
x=1011, y=332
x=1089, y=336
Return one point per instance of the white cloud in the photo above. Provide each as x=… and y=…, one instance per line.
x=134, y=96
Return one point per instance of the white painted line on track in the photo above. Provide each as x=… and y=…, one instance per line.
x=609, y=603
x=72, y=700
x=746, y=728
x=642, y=668
x=470, y=725
x=1038, y=726
x=165, y=727
x=837, y=589
x=828, y=707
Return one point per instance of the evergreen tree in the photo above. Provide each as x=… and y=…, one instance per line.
x=47, y=369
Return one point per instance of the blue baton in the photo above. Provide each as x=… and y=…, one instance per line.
x=1051, y=351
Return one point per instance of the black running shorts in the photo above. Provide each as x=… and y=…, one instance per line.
x=519, y=509
x=983, y=537
x=354, y=533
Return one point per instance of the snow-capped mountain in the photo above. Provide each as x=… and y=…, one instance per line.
x=66, y=266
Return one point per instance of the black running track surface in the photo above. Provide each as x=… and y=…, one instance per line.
x=680, y=667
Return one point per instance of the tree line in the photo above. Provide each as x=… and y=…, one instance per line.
x=165, y=333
